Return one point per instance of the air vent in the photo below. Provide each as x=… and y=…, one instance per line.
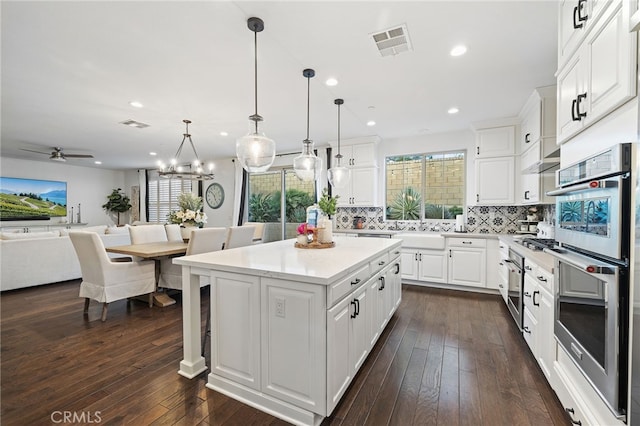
x=133, y=123
x=392, y=41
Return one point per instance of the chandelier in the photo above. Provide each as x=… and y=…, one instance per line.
x=177, y=170
x=307, y=165
x=255, y=151
x=339, y=175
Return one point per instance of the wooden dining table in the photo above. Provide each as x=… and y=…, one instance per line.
x=156, y=252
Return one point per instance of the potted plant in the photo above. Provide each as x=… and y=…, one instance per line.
x=190, y=214
x=117, y=202
x=328, y=206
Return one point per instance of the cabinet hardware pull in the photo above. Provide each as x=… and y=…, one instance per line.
x=477, y=150
x=581, y=4
x=416, y=257
x=501, y=264
x=526, y=194
x=354, y=314
x=571, y=412
x=397, y=268
x=467, y=242
x=534, y=298
x=575, y=350
x=527, y=138
x=420, y=256
x=382, y=283
x=528, y=268
x=574, y=117
x=449, y=253
x=396, y=252
x=500, y=285
x=356, y=281
x=579, y=100
x=527, y=294
x=576, y=14
x=507, y=261
x=478, y=198
x=382, y=262
x=541, y=278
x=526, y=330
x=357, y=307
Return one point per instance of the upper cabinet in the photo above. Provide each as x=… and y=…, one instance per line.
x=495, y=141
x=359, y=155
x=538, y=122
x=598, y=74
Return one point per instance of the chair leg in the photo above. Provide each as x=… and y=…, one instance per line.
x=86, y=305
x=150, y=300
x=104, y=312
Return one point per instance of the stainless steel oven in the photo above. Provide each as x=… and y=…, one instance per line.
x=593, y=216
x=516, y=286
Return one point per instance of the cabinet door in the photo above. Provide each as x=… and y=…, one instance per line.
x=611, y=53
x=235, y=314
x=397, y=283
x=495, y=142
x=530, y=192
x=358, y=329
x=467, y=267
x=409, y=264
x=569, y=86
x=568, y=35
x=363, y=186
x=432, y=266
x=530, y=126
x=546, y=342
x=339, y=372
x=495, y=183
x=530, y=330
x=362, y=155
x=373, y=291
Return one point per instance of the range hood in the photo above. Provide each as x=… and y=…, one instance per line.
x=546, y=165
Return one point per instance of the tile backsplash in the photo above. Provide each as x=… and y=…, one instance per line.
x=479, y=219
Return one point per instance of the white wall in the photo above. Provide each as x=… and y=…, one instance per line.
x=224, y=175
x=88, y=186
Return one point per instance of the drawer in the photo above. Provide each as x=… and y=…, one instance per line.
x=530, y=287
x=467, y=242
x=394, y=254
x=544, y=279
x=529, y=329
x=379, y=262
x=346, y=285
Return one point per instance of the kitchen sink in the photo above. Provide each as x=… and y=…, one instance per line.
x=421, y=240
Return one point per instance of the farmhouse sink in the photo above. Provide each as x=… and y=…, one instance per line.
x=421, y=240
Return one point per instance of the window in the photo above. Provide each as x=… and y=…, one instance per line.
x=436, y=178
x=163, y=196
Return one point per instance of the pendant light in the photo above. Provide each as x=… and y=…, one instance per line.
x=255, y=151
x=307, y=165
x=339, y=175
x=175, y=169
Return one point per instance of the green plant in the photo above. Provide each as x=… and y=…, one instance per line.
x=266, y=207
x=327, y=203
x=262, y=208
x=406, y=205
x=117, y=202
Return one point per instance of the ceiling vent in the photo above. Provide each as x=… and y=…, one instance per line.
x=133, y=123
x=392, y=41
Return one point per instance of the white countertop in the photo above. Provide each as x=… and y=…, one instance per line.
x=280, y=259
x=540, y=258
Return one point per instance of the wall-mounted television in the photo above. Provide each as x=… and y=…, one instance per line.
x=32, y=199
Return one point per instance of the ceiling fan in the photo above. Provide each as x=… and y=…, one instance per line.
x=58, y=155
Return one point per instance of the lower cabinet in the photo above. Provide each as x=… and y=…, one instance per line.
x=503, y=270
x=424, y=265
x=467, y=262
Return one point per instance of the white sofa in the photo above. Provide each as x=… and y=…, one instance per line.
x=35, y=258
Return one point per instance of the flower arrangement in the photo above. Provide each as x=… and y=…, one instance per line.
x=190, y=212
x=328, y=204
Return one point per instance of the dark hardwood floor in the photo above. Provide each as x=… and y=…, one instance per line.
x=446, y=358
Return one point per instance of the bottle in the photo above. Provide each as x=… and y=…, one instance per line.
x=313, y=212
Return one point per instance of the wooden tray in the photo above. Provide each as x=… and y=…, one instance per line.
x=315, y=245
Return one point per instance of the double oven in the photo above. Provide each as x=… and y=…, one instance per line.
x=593, y=227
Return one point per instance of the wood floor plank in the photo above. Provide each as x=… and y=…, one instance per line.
x=446, y=357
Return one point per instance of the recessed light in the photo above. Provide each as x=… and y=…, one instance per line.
x=224, y=134
x=371, y=123
x=153, y=153
x=97, y=162
x=136, y=104
x=458, y=50
x=331, y=82
x=453, y=110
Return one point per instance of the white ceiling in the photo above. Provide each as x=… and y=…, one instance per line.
x=69, y=70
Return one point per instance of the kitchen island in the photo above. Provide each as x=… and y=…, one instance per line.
x=290, y=327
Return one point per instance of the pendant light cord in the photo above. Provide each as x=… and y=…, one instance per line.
x=339, y=132
x=255, y=78
x=308, y=95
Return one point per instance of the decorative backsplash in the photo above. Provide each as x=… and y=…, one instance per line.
x=479, y=219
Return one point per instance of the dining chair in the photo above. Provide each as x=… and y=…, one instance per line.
x=106, y=281
x=147, y=234
x=202, y=241
x=239, y=236
x=173, y=232
x=258, y=233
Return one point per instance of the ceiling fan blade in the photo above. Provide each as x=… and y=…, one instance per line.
x=31, y=150
x=77, y=155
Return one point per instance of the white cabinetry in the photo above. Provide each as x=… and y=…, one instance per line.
x=601, y=74
x=495, y=142
x=359, y=155
x=424, y=265
x=503, y=270
x=495, y=181
x=467, y=261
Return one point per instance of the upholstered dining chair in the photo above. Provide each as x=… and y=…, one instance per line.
x=173, y=232
x=239, y=236
x=147, y=234
x=202, y=241
x=258, y=233
x=106, y=281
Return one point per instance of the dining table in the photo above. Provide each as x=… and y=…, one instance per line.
x=154, y=251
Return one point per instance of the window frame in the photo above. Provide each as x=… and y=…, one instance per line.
x=423, y=187
x=165, y=200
